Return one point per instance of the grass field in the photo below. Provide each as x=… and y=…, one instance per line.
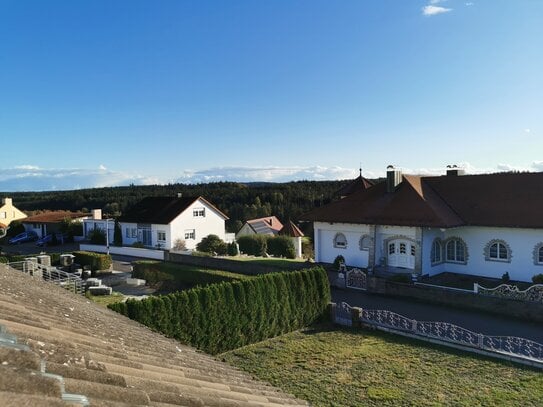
x=345, y=367
x=105, y=300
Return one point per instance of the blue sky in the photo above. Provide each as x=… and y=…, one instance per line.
x=99, y=93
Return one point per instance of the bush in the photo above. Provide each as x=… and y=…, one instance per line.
x=97, y=236
x=307, y=250
x=505, y=277
x=137, y=245
x=96, y=261
x=400, y=278
x=338, y=261
x=212, y=244
x=225, y=316
x=117, y=234
x=15, y=228
x=3, y=259
x=253, y=245
x=179, y=245
x=281, y=246
x=537, y=279
x=232, y=249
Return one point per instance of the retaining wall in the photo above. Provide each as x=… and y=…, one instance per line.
x=125, y=251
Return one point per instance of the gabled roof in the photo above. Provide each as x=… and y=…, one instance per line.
x=290, y=229
x=54, y=217
x=162, y=210
x=358, y=184
x=502, y=200
x=267, y=225
x=106, y=357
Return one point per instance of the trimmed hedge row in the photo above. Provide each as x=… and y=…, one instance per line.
x=154, y=271
x=96, y=261
x=226, y=316
x=259, y=245
x=55, y=257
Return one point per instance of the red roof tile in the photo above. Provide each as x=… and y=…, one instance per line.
x=290, y=229
x=54, y=217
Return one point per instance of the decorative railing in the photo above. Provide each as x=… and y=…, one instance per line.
x=444, y=332
x=356, y=278
x=69, y=281
x=533, y=293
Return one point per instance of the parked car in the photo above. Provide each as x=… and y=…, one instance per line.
x=24, y=237
x=48, y=239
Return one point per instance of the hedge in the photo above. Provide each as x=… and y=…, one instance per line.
x=96, y=261
x=281, y=246
x=55, y=257
x=154, y=271
x=259, y=245
x=253, y=245
x=226, y=316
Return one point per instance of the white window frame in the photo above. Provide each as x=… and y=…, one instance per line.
x=456, y=241
x=199, y=212
x=436, y=252
x=365, y=242
x=341, y=244
x=158, y=235
x=500, y=246
x=190, y=234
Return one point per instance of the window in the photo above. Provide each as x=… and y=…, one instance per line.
x=365, y=242
x=340, y=241
x=412, y=250
x=497, y=250
x=3, y=215
x=190, y=234
x=161, y=236
x=435, y=253
x=538, y=254
x=391, y=248
x=402, y=248
x=127, y=232
x=199, y=212
x=455, y=251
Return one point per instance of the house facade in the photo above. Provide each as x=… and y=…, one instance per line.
x=50, y=222
x=159, y=222
x=484, y=225
x=9, y=213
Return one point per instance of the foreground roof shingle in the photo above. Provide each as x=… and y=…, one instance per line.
x=108, y=358
x=54, y=217
x=500, y=200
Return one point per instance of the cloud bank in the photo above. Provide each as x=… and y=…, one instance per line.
x=431, y=10
x=34, y=178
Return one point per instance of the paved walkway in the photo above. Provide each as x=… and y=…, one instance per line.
x=476, y=321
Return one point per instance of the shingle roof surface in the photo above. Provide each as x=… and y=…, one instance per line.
x=358, y=184
x=105, y=356
x=290, y=229
x=267, y=225
x=159, y=209
x=502, y=200
x=54, y=217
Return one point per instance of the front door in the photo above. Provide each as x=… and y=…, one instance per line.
x=401, y=253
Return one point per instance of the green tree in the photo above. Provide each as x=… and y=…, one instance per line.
x=117, y=234
x=212, y=244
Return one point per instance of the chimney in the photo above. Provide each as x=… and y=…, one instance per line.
x=180, y=194
x=96, y=214
x=7, y=201
x=394, y=178
x=454, y=171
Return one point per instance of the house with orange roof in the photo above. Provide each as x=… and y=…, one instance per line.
x=9, y=213
x=268, y=225
x=50, y=221
x=485, y=225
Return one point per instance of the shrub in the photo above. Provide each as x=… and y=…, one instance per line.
x=537, y=279
x=97, y=236
x=15, y=228
x=179, y=245
x=307, y=250
x=253, y=245
x=226, y=316
x=3, y=259
x=338, y=261
x=96, y=261
x=137, y=245
x=400, y=278
x=281, y=246
x=232, y=249
x=117, y=234
x=212, y=244
x=505, y=277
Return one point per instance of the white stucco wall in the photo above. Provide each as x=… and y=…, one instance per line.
x=324, y=243
x=521, y=242
x=245, y=230
x=211, y=224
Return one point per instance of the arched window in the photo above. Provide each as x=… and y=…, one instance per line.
x=538, y=254
x=340, y=240
x=436, y=252
x=365, y=242
x=497, y=250
x=455, y=251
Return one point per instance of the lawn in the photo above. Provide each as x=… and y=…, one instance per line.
x=343, y=367
x=105, y=300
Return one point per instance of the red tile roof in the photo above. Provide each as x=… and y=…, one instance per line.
x=358, y=184
x=290, y=229
x=503, y=200
x=54, y=217
x=269, y=224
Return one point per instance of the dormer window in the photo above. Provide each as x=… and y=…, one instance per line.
x=340, y=241
x=199, y=212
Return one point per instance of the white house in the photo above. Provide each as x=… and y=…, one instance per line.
x=160, y=221
x=470, y=224
x=50, y=222
x=96, y=221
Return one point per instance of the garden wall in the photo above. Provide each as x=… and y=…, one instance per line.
x=531, y=311
x=125, y=251
x=234, y=266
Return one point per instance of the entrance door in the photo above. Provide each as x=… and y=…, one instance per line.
x=401, y=253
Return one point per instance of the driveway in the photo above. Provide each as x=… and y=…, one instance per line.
x=489, y=324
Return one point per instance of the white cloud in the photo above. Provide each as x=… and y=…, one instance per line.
x=434, y=10
x=33, y=178
x=102, y=167
x=469, y=3
x=437, y=1
x=527, y=130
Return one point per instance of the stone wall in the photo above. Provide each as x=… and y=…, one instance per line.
x=531, y=311
x=234, y=266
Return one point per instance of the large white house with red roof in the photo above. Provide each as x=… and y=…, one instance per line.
x=471, y=224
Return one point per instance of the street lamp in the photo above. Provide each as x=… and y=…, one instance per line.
x=107, y=235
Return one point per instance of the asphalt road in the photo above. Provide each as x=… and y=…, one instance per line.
x=481, y=322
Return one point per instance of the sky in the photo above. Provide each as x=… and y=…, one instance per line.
x=103, y=93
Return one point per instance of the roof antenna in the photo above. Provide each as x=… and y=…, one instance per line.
x=360, y=169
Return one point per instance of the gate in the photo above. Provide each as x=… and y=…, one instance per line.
x=357, y=279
